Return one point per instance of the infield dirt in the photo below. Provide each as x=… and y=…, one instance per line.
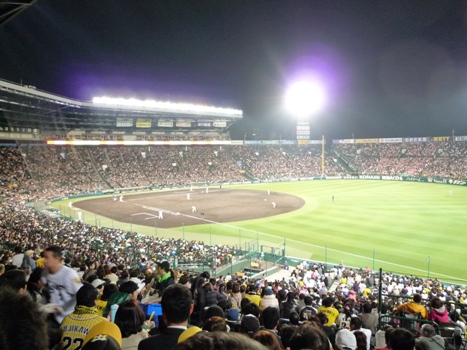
x=218, y=205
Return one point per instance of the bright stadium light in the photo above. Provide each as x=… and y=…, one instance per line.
x=305, y=98
x=182, y=107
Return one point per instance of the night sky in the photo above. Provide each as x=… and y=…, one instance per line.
x=391, y=68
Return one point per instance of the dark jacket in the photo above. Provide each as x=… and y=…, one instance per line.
x=164, y=341
x=213, y=297
x=287, y=307
x=164, y=284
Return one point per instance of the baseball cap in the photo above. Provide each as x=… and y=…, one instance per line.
x=268, y=291
x=249, y=324
x=214, y=310
x=164, y=264
x=232, y=314
x=345, y=339
x=102, y=329
x=97, y=283
x=189, y=332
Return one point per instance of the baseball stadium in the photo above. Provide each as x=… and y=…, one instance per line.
x=233, y=174
x=394, y=203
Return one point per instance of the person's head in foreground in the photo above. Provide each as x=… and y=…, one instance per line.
x=103, y=336
x=219, y=341
x=129, y=318
x=176, y=305
x=268, y=339
x=345, y=340
x=308, y=337
x=22, y=323
x=401, y=339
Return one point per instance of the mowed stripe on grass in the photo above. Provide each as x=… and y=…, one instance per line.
x=404, y=223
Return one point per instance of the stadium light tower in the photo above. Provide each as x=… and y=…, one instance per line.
x=303, y=99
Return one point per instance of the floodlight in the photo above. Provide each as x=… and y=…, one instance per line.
x=305, y=98
x=172, y=106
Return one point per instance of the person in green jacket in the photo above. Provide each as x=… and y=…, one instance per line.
x=165, y=278
x=128, y=290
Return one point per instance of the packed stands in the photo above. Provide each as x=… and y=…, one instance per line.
x=32, y=173
x=441, y=159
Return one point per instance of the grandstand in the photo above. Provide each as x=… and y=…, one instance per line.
x=29, y=114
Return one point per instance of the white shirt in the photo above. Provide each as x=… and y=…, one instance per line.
x=367, y=332
x=17, y=260
x=63, y=286
x=138, y=282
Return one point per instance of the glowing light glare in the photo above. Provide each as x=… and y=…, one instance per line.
x=305, y=98
x=186, y=107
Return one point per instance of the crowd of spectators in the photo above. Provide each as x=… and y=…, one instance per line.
x=22, y=226
x=441, y=159
x=35, y=172
x=296, y=312
x=105, y=258
x=287, y=162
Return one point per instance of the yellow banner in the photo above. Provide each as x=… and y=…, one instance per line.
x=441, y=138
x=143, y=123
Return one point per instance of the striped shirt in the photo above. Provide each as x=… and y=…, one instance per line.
x=74, y=328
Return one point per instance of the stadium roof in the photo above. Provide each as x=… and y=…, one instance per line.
x=27, y=107
x=10, y=9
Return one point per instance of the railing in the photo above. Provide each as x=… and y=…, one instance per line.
x=410, y=323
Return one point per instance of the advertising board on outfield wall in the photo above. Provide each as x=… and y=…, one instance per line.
x=366, y=140
x=401, y=139
x=344, y=141
x=391, y=140
x=409, y=178
x=416, y=139
x=441, y=138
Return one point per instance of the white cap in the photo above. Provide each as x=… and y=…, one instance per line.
x=97, y=282
x=345, y=339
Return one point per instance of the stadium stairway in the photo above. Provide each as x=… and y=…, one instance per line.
x=96, y=168
x=344, y=162
x=250, y=176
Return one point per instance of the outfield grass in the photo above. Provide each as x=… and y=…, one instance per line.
x=401, y=224
x=404, y=227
